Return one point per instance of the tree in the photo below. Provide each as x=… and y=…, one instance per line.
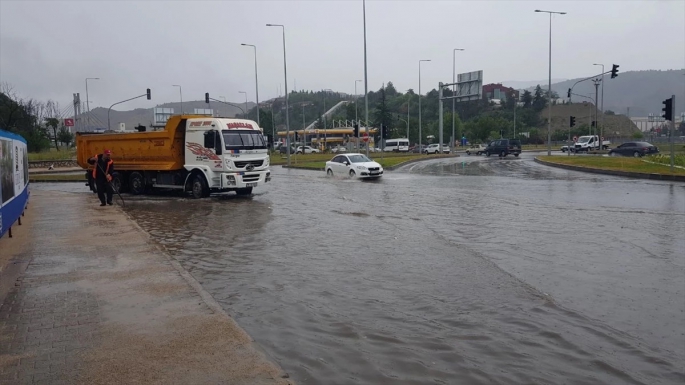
x=637, y=135
x=527, y=99
x=65, y=136
x=539, y=101
x=609, y=112
x=382, y=114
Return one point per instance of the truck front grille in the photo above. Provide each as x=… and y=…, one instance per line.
x=250, y=178
x=244, y=163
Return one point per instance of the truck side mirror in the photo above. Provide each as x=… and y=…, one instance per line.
x=217, y=143
x=210, y=137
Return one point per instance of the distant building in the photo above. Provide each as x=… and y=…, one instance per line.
x=499, y=92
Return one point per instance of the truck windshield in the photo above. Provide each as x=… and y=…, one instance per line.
x=243, y=140
x=583, y=139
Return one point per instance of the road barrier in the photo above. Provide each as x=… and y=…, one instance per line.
x=14, y=180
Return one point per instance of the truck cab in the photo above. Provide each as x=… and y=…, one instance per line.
x=232, y=155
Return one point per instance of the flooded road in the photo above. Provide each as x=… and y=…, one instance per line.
x=466, y=270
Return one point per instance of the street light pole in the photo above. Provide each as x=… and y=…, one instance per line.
x=88, y=101
x=422, y=60
x=601, y=128
x=256, y=80
x=325, y=129
x=243, y=92
x=366, y=81
x=224, y=98
x=454, y=90
x=180, y=91
x=549, y=85
x=287, y=108
x=356, y=111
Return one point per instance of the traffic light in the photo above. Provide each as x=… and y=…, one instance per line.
x=356, y=130
x=614, y=70
x=207, y=97
x=568, y=94
x=668, y=109
x=149, y=94
x=593, y=123
x=572, y=121
x=386, y=132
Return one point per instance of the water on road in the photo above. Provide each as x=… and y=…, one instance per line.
x=466, y=270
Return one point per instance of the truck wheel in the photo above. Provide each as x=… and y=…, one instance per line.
x=136, y=183
x=244, y=191
x=199, y=187
x=116, y=183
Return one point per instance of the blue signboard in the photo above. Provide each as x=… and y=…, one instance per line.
x=14, y=179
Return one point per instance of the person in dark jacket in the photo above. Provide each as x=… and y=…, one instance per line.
x=102, y=175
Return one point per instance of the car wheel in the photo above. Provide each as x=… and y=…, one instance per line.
x=352, y=174
x=299, y=152
x=611, y=153
x=468, y=153
x=503, y=154
x=329, y=172
x=637, y=154
x=516, y=155
x=487, y=153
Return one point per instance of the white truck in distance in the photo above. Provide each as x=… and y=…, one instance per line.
x=590, y=143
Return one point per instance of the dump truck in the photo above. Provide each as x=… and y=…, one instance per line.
x=193, y=153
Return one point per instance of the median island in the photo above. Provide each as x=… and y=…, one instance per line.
x=389, y=160
x=631, y=167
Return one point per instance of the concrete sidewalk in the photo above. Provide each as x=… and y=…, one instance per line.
x=99, y=303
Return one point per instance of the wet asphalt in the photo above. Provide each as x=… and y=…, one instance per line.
x=463, y=270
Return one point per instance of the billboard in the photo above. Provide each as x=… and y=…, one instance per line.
x=14, y=178
x=470, y=86
x=161, y=115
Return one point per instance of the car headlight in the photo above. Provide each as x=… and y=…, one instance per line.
x=361, y=168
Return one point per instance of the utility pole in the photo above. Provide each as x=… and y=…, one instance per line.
x=597, y=81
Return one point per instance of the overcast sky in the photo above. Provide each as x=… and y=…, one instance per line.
x=48, y=48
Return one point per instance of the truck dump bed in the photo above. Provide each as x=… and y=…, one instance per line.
x=141, y=151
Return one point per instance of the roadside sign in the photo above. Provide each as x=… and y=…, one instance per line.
x=602, y=139
x=365, y=138
x=575, y=138
x=69, y=122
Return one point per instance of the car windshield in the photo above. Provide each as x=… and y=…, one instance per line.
x=643, y=144
x=583, y=140
x=243, y=139
x=359, y=159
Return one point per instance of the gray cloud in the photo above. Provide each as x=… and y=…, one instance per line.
x=48, y=48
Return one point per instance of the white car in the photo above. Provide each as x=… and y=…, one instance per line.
x=338, y=149
x=307, y=150
x=435, y=149
x=476, y=148
x=355, y=166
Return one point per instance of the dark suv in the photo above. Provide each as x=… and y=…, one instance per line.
x=504, y=147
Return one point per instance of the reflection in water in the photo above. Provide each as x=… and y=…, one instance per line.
x=490, y=274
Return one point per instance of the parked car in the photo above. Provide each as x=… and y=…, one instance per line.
x=307, y=150
x=284, y=149
x=354, y=165
x=476, y=149
x=435, y=149
x=338, y=149
x=504, y=147
x=636, y=149
x=416, y=149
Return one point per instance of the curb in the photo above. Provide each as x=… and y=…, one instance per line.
x=56, y=181
x=637, y=175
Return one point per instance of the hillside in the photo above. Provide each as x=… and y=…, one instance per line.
x=641, y=91
x=614, y=125
x=144, y=116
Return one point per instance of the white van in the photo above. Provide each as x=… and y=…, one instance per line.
x=397, y=145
